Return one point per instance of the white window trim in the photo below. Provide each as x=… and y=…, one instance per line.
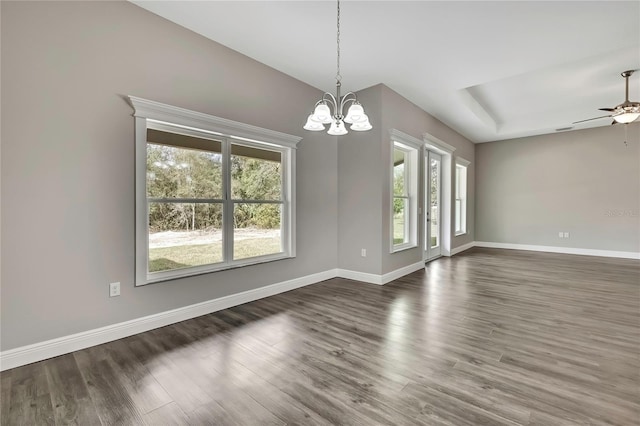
x=464, y=163
x=413, y=146
x=194, y=123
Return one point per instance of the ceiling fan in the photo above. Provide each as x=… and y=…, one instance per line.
x=624, y=113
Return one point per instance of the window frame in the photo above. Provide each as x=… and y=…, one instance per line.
x=193, y=123
x=232, y=202
x=411, y=146
x=461, y=194
x=405, y=197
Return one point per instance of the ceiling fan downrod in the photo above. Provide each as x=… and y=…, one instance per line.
x=626, y=75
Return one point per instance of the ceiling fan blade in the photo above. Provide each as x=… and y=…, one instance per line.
x=606, y=109
x=589, y=119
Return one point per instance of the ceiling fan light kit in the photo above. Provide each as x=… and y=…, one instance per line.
x=322, y=113
x=627, y=117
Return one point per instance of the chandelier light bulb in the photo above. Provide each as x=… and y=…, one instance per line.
x=361, y=126
x=355, y=113
x=313, y=125
x=337, y=128
x=322, y=114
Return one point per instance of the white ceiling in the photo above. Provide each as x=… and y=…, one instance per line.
x=490, y=70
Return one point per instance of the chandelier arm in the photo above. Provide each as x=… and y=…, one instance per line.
x=328, y=97
x=349, y=97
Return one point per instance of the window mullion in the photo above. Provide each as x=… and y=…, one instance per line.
x=227, y=217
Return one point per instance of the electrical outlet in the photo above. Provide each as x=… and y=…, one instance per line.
x=114, y=289
x=363, y=252
x=566, y=235
x=560, y=234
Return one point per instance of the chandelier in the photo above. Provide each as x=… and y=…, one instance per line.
x=329, y=109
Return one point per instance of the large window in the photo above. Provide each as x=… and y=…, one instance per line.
x=461, y=196
x=401, y=197
x=208, y=199
x=404, y=197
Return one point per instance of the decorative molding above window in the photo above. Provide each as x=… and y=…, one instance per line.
x=437, y=145
x=218, y=126
x=461, y=161
x=398, y=136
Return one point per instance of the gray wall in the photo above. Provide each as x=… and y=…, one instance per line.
x=68, y=161
x=583, y=182
x=364, y=177
x=359, y=192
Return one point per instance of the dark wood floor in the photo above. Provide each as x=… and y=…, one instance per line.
x=489, y=337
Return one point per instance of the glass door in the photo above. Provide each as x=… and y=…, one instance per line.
x=432, y=197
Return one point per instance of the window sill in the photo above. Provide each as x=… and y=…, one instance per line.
x=403, y=247
x=156, y=277
x=458, y=234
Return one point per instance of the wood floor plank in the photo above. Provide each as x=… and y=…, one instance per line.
x=475, y=392
x=30, y=397
x=309, y=387
x=488, y=337
x=441, y=405
x=212, y=414
x=555, y=395
x=146, y=393
x=187, y=394
x=266, y=394
x=72, y=404
x=169, y=414
x=332, y=380
x=5, y=396
x=113, y=403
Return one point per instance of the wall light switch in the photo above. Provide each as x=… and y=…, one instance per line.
x=363, y=252
x=566, y=235
x=560, y=234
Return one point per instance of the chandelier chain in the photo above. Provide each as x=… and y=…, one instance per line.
x=330, y=109
x=338, y=76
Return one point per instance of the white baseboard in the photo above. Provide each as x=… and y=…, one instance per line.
x=66, y=344
x=360, y=276
x=379, y=279
x=74, y=342
x=462, y=248
x=398, y=273
x=564, y=250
